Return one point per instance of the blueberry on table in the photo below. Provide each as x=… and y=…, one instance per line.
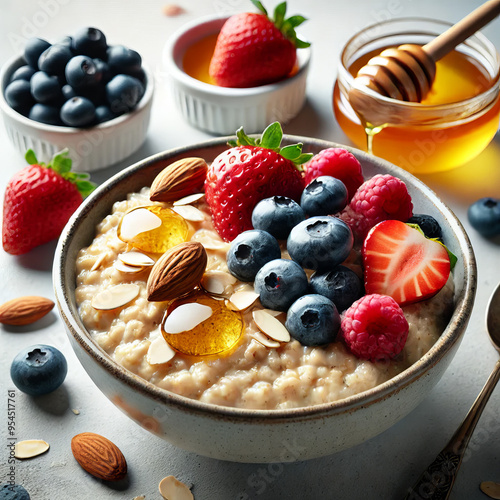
x=249, y=251
x=320, y=243
x=45, y=113
x=38, y=369
x=324, y=195
x=81, y=71
x=103, y=114
x=33, y=50
x=23, y=73
x=277, y=215
x=428, y=224
x=123, y=60
x=484, y=216
x=13, y=492
x=46, y=88
x=123, y=93
x=78, y=112
x=53, y=60
x=18, y=96
x=313, y=320
x=90, y=42
x=280, y=283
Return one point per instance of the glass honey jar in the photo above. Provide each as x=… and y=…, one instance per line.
x=455, y=122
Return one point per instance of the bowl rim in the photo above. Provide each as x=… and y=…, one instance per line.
x=176, y=73
x=17, y=61
x=450, y=336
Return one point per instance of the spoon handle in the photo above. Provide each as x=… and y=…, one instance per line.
x=437, y=481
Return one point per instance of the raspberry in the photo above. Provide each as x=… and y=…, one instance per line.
x=338, y=163
x=375, y=327
x=382, y=197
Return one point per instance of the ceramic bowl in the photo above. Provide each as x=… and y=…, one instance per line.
x=245, y=435
x=91, y=148
x=221, y=110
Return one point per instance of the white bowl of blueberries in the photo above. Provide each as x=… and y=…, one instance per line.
x=79, y=93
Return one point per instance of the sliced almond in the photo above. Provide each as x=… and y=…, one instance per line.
x=137, y=259
x=115, y=296
x=30, y=448
x=172, y=489
x=243, y=300
x=190, y=213
x=99, y=261
x=265, y=340
x=125, y=268
x=137, y=221
x=217, y=282
x=271, y=326
x=187, y=200
x=186, y=317
x=159, y=351
x=210, y=240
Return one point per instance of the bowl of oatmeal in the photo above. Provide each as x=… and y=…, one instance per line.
x=264, y=400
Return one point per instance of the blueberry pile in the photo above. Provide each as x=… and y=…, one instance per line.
x=80, y=81
x=315, y=241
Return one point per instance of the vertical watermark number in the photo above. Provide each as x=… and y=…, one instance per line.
x=11, y=437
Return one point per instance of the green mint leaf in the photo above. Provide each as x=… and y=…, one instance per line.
x=31, y=157
x=259, y=6
x=271, y=137
x=453, y=258
x=279, y=14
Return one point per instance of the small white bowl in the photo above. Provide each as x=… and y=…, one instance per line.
x=90, y=148
x=222, y=110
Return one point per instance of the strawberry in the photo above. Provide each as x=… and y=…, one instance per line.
x=39, y=200
x=253, y=169
x=401, y=262
x=254, y=50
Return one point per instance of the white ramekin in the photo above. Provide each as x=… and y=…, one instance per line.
x=90, y=148
x=222, y=110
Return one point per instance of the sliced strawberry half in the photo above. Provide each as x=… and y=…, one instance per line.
x=401, y=262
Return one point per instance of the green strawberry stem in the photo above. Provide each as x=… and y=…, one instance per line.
x=271, y=139
x=61, y=164
x=286, y=26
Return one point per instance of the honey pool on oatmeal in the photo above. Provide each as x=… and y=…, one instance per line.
x=260, y=372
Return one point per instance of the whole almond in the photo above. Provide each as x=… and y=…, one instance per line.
x=25, y=310
x=179, y=179
x=99, y=456
x=177, y=271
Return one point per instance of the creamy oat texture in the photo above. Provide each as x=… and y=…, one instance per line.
x=252, y=376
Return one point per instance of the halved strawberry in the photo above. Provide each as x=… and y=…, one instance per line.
x=401, y=262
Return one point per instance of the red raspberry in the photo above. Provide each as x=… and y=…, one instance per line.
x=383, y=197
x=338, y=163
x=375, y=327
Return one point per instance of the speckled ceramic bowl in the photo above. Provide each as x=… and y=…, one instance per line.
x=259, y=435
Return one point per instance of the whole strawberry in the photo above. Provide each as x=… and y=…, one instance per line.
x=253, y=49
x=39, y=200
x=253, y=169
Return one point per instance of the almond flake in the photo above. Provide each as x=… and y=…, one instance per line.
x=491, y=489
x=273, y=312
x=243, y=300
x=115, y=296
x=138, y=221
x=159, y=351
x=75, y=411
x=271, y=326
x=172, y=489
x=125, y=268
x=99, y=261
x=136, y=259
x=190, y=213
x=217, y=281
x=265, y=340
x=186, y=317
x=187, y=200
x=210, y=240
x=30, y=448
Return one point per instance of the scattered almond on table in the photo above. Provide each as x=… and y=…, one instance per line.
x=172, y=489
x=25, y=310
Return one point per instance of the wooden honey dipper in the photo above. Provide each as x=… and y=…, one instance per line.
x=407, y=73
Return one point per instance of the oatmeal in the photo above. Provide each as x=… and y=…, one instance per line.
x=258, y=372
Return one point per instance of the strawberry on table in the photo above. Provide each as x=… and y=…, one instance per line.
x=253, y=169
x=253, y=49
x=39, y=200
x=401, y=262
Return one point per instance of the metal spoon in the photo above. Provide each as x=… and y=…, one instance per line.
x=437, y=481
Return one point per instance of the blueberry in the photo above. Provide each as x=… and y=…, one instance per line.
x=23, y=73
x=18, y=96
x=313, y=320
x=324, y=195
x=45, y=113
x=78, y=112
x=123, y=60
x=280, y=283
x=320, y=243
x=90, y=42
x=103, y=68
x=33, y=50
x=53, y=60
x=103, y=114
x=13, y=492
x=65, y=40
x=68, y=92
x=123, y=93
x=277, y=215
x=45, y=88
x=249, y=251
x=81, y=71
x=341, y=285
x=96, y=94
x=428, y=224
x=484, y=216
x=38, y=369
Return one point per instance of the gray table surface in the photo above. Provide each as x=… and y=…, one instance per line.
x=383, y=467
